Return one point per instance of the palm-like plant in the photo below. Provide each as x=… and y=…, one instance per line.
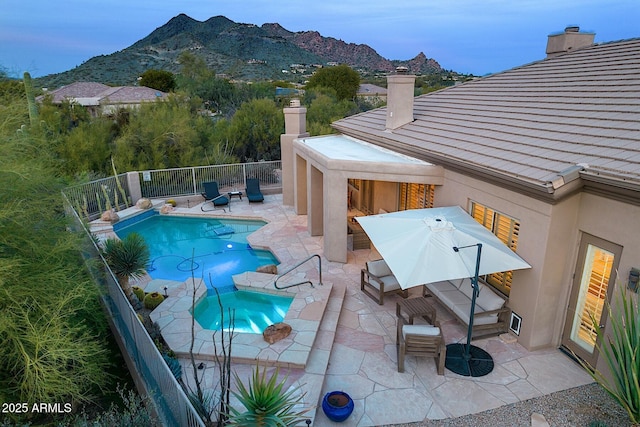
x=621, y=351
x=127, y=258
x=266, y=402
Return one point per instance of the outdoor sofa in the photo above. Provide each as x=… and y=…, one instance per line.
x=491, y=313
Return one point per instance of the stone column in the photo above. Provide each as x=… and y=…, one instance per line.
x=295, y=126
x=300, y=185
x=315, y=219
x=135, y=191
x=335, y=216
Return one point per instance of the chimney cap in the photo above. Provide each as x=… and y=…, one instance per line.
x=572, y=29
x=402, y=69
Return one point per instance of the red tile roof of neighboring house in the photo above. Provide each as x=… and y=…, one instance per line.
x=101, y=94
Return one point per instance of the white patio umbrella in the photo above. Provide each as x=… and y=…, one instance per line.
x=430, y=245
x=418, y=245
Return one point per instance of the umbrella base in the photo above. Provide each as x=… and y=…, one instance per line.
x=475, y=364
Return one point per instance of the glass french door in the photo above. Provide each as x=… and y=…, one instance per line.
x=593, y=279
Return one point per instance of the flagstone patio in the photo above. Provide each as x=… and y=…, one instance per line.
x=353, y=346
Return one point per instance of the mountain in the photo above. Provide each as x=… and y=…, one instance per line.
x=237, y=50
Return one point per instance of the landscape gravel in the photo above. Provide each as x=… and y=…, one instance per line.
x=588, y=406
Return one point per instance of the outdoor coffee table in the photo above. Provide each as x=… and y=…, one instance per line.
x=413, y=307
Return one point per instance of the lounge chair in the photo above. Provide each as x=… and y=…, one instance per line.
x=377, y=280
x=212, y=194
x=253, y=190
x=421, y=340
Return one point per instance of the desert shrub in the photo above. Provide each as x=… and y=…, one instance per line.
x=138, y=292
x=621, y=352
x=153, y=300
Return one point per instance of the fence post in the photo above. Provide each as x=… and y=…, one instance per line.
x=135, y=190
x=193, y=178
x=244, y=175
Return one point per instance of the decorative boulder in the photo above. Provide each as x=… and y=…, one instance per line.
x=166, y=209
x=110, y=216
x=144, y=203
x=275, y=333
x=269, y=268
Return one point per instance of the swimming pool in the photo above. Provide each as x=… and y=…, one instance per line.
x=210, y=248
x=253, y=311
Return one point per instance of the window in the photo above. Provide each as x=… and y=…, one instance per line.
x=507, y=230
x=416, y=196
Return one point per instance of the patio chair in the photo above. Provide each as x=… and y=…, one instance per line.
x=421, y=340
x=212, y=194
x=377, y=280
x=253, y=190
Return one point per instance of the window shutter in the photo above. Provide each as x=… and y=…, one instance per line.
x=507, y=230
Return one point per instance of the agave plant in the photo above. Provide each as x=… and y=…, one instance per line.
x=127, y=258
x=266, y=402
x=621, y=351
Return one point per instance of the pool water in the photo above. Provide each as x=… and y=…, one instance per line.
x=252, y=311
x=209, y=248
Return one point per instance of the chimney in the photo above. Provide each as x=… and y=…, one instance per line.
x=400, y=93
x=568, y=40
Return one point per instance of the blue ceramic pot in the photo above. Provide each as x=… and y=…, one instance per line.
x=337, y=405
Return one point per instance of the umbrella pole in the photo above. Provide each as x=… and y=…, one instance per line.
x=476, y=291
x=467, y=359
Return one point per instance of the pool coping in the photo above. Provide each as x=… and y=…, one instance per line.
x=305, y=314
x=174, y=318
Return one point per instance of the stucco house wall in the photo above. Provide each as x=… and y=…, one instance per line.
x=542, y=144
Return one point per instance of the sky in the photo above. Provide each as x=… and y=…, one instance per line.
x=474, y=37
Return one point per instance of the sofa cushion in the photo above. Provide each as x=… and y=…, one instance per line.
x=489, y=300
x=485, y=320
x=379, y=268
x=456, y=282
x=466, y=288
x=452, y=298
x=438, y=287
x=463, y=311
x=420, y=330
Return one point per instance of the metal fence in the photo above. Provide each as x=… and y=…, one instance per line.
x=91, y=199
x=188, y=181
x=88, y=201
x=170, y=401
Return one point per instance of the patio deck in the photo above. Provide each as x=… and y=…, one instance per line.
x=354, y=347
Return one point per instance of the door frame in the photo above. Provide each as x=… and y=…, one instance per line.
x=586, y=240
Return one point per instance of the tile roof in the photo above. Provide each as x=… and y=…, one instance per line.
x=531, y=122
x=77, y=90
x=103, y=94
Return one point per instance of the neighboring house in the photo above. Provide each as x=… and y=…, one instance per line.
x=102, y=99
x=374, y=95
x=547, y=155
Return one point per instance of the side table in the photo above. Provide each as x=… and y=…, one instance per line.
x=413, y=307
x=234, y=193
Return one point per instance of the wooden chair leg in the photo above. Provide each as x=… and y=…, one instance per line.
x=441, y=359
